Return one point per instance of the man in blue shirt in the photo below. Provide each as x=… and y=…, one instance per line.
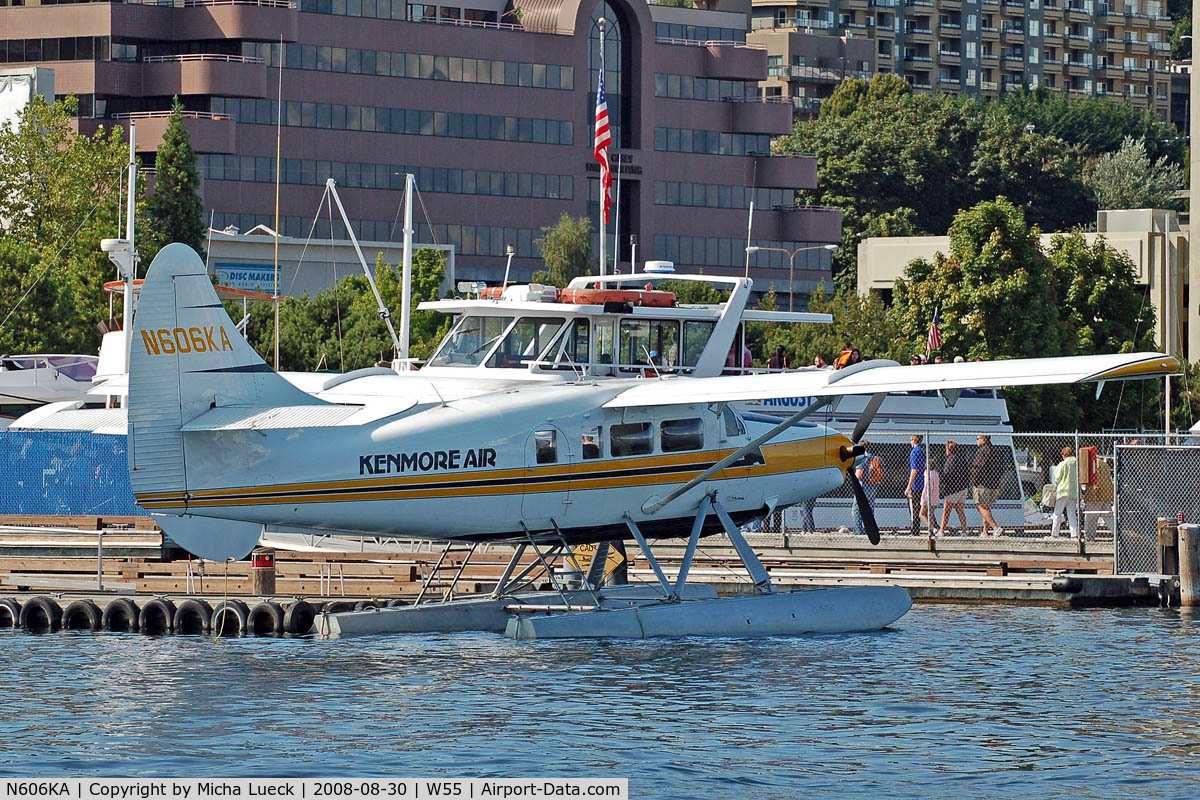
x=916, y=481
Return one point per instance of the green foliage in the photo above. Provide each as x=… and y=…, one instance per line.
x=59, y=196
x=566, y=249
x=997, y=299
x=885, y=151
x=858, y=320
x=1181, y=12
x=1128, y=179
x=175, y=211
x=845, y=100
x=1105, y=312
x=340, y=329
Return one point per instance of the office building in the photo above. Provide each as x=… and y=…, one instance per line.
x=986, y=47
x=490, y=104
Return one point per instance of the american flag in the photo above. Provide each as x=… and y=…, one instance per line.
x=602, y=142
x=935, y=333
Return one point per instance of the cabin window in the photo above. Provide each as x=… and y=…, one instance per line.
x=573, y=352
x=682, y=434
x=545, y=447
x=733, y=424
x=695, y=337
x=525, y=342
x=649, y=341
x=633, y=439
x=470, y=341
x=604, y=343
x=590, y=440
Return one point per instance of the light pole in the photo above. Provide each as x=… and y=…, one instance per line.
x=791, y=254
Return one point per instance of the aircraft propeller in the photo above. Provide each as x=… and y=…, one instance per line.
x=860, y=497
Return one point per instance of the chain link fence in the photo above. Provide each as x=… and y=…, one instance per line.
x=1092, y=499
x=65, y=472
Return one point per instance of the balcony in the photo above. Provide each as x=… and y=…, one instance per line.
x=1079, y=67
x=815, y=74
x=806, y=105
x=989, y=57
x=800, y=224
x=735, y=62
x=951, y=4
x=989, y=34
x=204, y=74
x=252, y=20
x=210, y=133
x=949, y=57
x=787, y=172
x=751, y=115
x=988, y=86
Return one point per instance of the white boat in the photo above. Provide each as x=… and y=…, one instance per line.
x=531, y=333
x=27, y=381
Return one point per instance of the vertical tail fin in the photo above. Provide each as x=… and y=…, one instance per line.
x=185, y=358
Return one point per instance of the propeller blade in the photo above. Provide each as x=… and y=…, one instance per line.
x=864, y=508
x=868, y=414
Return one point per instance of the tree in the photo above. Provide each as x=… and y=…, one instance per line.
x=860, y=320
x=566, y=250
x=997, y=299
x=882, y=149
x=1128, y=179
x=845, y=98
x=1105, y=312
x=175, y=211
x=59, y=196
x=339, y=328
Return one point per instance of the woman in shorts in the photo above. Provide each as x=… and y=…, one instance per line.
x=956, y=483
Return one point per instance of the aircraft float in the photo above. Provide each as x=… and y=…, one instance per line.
x=216, y=434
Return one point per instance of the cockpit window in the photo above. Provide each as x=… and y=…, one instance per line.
x=470, y=341
x=734, y=426
x=525, y=342
x=696, y=334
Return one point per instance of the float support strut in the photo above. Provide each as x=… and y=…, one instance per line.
x=641, y=540
x=758, y=573
x=693, y=540
x=502, y=584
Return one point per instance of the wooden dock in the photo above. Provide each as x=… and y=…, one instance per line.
x=59, y=556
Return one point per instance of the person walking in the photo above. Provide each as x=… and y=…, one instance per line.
x=987, y=476
x=869, y=472
x=1066, y=493
x=930, y=492
x=916, y=482
x=956, y=482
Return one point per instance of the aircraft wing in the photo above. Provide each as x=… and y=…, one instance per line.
x=871, y=377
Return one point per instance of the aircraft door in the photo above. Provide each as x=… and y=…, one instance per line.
x=547, y=487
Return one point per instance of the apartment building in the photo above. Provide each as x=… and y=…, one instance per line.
x=490, y=103
x=986, y=47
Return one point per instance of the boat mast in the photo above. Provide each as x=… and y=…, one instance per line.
x=385, y=313
x=406, y=281
x=128, y=265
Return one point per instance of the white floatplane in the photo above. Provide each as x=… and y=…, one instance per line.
x=215, y=434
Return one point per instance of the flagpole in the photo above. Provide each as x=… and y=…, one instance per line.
x=601, y=22
x=617, y=217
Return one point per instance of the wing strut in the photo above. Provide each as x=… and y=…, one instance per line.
x=653, y=507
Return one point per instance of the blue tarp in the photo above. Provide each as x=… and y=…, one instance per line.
x=65, y=472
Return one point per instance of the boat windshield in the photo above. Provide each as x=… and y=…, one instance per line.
x=470, y=341
x=525, y=342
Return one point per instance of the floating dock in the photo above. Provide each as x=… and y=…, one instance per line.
x=126, y=561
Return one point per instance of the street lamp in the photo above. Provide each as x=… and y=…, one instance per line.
x=791, y=254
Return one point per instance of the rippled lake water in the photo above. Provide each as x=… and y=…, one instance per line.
x=953, y=701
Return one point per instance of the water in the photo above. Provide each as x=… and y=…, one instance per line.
x=953, y=701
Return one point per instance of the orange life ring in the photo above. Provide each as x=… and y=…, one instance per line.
x=635, y=297
x=492, y=293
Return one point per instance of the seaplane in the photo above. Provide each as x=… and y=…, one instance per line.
x=217, y=436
